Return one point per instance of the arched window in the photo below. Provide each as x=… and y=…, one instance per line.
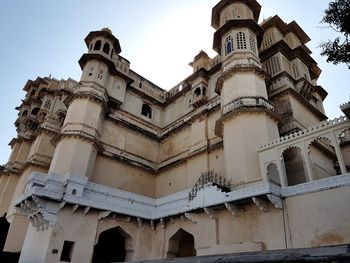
x=294, y=166
x=97, y=45
x=25, y=113
x=241, y=41
x=106, y=48
x=35, y=111
x=197, y=92
x=146, y=111
x=33, y=92
x=228, y=45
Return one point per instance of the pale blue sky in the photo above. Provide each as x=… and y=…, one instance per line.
x=159, y=37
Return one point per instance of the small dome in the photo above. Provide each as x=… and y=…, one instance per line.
x=106, y=29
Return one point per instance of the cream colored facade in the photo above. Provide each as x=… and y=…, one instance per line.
x=237, y=157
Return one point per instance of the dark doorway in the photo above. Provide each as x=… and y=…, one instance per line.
x=4, y=228
x=181, y=244
x=110, y=246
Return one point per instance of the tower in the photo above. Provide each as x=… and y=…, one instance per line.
x=247, y=117
x=103, y=83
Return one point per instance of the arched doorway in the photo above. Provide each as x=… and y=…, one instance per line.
x=112, y=246
x=294, y=166
x=181, y=244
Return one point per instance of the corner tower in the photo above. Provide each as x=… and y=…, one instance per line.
x=102, y=85
x=247, y=116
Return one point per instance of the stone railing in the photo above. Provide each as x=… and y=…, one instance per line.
x=330, y=132
x=199, y=101
x=147, y=87
x=247, y=102
x=208, y=179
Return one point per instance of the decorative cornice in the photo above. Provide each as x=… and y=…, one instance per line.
x=55, y=191
x=247, y=103
x=40, y=160
x=309, y=132
x=230, y=71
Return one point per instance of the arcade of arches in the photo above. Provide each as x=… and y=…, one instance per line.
x=321, y=158
x=114, y=245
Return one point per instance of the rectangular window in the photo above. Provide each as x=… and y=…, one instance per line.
x=67, y=251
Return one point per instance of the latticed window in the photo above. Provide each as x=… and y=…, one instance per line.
x=241, y=41
x=252, y=43
x=228, y=45
x=47, y=104
x=269, y=38
x=276, y=65
x=290, y=41
x=273, y=66
x=295, y=69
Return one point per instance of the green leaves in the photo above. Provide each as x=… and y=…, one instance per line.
x=338, y=17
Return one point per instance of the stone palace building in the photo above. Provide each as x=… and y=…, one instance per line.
x=238, y=157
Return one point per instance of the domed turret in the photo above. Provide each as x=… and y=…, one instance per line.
x=238, y=31
x=244, y=100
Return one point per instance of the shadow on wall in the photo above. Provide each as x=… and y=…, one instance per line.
x=6, y=256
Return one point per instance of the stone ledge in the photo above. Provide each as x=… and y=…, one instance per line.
x=77, y=191
x=335, y=254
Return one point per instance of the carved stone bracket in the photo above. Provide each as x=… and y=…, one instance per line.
x=104, y=214
x=210, y=212
x=139, y=222
x=152, y=225
x=190, y=217
x=233, y=209
x=86, y=210
x=260, y=203
x=162, y=223
x=39, y=212
x=275, y=200
x=74, y=208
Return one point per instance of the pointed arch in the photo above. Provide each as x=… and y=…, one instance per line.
x=114, y=245
x=197, y=92
x=106, y=48
x=228, y=45
x=181, y=244
x=98, y=45
x=323, y=158
x=294, y=165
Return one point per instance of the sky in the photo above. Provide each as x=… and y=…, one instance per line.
x=158, y=37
